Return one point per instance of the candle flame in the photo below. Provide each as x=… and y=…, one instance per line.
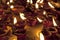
x=54, y=23
x=28, y=1
x=38, y=1
x=8, y=3
x=50, y=5
x=44, y=12
x=15, y=20
x=41, y=36
x=31, y=1
x=11, y=1
x=39, y=20
x=11, y=6
x=36, y=5
x=22, y=16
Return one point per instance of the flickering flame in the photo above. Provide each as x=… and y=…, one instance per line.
x=41, y=1
x=28, y=1
x=15, y=20
x=22, y=16
x=8, y=3
x=44, y=12
x=54, y=23
x=39, y=20
x=38, y=1
x=11, y=1
x=31, y=1
x=50, y=5
x=11, y=6
x=41, y=36
x=36, y=5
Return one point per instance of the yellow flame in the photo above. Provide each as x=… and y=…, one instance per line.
x=54, y=23
x=39, y=20
x=15, y=20
x=8, y=3
x=36, y=5
x=22, y=16
x=31, y=1
x=11, y=1
x=28, y=1
x=11, y=6
x=41, y=36
x=44, y=12
x=50, y=5
x=41, y=1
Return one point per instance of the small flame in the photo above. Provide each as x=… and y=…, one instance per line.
x=8, y=3
x=22, y=16
x=38, y=1
x=15, y=20
x=31, y=1
x=44, y=12
x=41, y=36
x=41, y=1
x=11, y=1
x=36, y=5
x=54, y=23
x=39, y=20
x=50, y=5
x=28, y=1
x=11, y=6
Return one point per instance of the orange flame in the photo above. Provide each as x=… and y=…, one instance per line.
x=39, y=20
x=50, y=5
x=54, y=22
x=15, y=20
x=36, y=5
x=22, y=16
x=41, y=36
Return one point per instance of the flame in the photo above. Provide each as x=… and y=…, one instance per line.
x=11, y=1
x=36, y=5
x=41, y=1
x=15, y=20
x=39, y=20
x=31, y=1
x=22, y=16
x=44, y=12
x=8, y=3
x=28, y=1
x=11, y=6
x=41, y=36
x=38, y=1
x=50, y=5
x=54, y=23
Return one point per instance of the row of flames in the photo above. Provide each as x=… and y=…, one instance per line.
x=37, y=6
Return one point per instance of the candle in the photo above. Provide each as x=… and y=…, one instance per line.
x=28, y=1
x=11, y=6
x=11, y=1
x=31, y=1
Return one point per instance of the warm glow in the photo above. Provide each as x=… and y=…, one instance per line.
x=44, y=12
x=31, y=1
x=28, y=1
x=38, y=1
x=8, y=3
x=54, y=22
x=11, y=1
x=15, y=20
x=39, y=20
x=36, y=5
x=50, y=5
x=11, y=6
x=22, y=16
x=41, y=1
x=41, y=36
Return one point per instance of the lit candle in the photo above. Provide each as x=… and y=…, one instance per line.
x=44, y=12
x=36, y=6
x=11, y=1
x=28, y=1
x=7, y=3
x=11, y=6
x=31, y=1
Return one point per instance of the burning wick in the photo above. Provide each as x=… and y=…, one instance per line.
x=22, y=16
x=15, y=20
x=54, y=23
x=11, y=6
x=36, y=6
x=39, y=20
x=41, y=36
x=50, y=5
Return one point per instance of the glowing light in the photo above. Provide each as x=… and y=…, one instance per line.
x=41, y=36
x=31, y=1
x=44, y=12
x=11, y=1
x=54, y=23
x=36, y=5
x=28, y=1
x=41, y=1
x=39, y=20
x=15, y=20
x=8, y=3
x=38, y=1
x=50, y=5
x=22, y=16
x=11, y=6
